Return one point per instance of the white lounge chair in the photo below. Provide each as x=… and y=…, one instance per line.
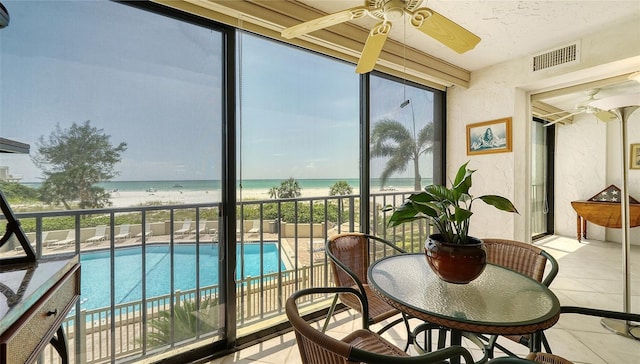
x=255, y=227
x=124, y=233
x=147, y=231
x=186, y=228
x=71, y=238
x=100, y=235
x=202, y=228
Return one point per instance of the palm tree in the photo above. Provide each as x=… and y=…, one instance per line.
x=340, y=188
x=289, y=189
x=390, y=138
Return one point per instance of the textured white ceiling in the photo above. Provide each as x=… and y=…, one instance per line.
x=508, y=29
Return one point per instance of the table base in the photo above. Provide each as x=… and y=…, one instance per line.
x=456, y=339
x=622, y=328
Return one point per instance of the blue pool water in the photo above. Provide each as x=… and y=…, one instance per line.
x=95, y=277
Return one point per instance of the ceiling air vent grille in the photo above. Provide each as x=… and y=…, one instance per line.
x=558, y=57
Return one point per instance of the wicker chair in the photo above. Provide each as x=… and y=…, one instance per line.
x=526, y=259
x=361, y=346
x=350, y=254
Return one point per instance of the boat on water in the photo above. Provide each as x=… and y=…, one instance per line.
x=177, y=185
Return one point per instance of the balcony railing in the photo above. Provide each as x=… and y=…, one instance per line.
x=125, y=331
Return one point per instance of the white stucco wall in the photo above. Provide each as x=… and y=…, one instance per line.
x=585, y=150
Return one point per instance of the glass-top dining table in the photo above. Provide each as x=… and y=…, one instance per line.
x=500, y=301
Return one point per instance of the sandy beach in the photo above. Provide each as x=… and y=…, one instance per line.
x=135, y=198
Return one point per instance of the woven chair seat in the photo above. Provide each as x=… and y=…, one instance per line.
x=370, y=341
x=545, y=358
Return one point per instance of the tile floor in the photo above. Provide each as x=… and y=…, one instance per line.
x=590, y=275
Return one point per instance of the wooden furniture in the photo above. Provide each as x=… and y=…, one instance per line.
x=34, y=300
x=500, y=301
x=35, y=295
x=604, y=209
x=605, y=214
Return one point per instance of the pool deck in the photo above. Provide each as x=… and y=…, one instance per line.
x=306, y=250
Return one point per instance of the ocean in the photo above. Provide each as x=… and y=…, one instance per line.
x=249, y=184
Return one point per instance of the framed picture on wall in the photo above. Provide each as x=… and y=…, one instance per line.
x=634, y=156
x=489, y=137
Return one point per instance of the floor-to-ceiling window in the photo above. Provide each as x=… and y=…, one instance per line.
x=298, y=166
x=404, y=142
x=153, y=86
x=144, y=92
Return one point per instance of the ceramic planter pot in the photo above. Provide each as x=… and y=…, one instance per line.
x=455, y=263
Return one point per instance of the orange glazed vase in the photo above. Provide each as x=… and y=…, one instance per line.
x=456, y=263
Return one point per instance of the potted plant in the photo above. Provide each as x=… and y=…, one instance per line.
x=453, y=255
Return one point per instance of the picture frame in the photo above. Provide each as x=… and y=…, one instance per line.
x=492, y=136
x=634, y=156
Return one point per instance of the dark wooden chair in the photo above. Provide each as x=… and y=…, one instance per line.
x=361, y=346
x=350, y=255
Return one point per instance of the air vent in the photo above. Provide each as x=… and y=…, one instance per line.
x=562, y=56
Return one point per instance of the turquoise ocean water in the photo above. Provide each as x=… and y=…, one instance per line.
x=250, y=184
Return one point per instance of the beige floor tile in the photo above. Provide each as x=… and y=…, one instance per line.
x=590, y=275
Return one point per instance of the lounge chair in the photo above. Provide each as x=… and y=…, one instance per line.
x=255, y=227
x=186, y=228
x=71, y=237
x=147, y=231
x=124, y=233
x=100, y=235
x=202, y=228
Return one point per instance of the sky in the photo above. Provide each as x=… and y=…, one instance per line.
x=155, y=84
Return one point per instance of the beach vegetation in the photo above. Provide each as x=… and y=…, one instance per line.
x=289, y=188
x=340, y=188
x=187, y=323
x=73, y=161
x=17, y=193
x=293, y=212
x=391, y=139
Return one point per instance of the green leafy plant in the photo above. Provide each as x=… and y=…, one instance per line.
x=448, y=208
x=188, y=321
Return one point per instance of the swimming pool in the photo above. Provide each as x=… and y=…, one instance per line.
x=96, y=267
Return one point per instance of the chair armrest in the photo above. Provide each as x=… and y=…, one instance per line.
x=601, y=313
x=554, y=268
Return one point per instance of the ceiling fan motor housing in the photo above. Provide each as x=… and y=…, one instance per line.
x=391, y=9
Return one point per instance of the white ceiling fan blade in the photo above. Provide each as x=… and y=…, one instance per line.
x=325, y=21
x=552, y=114
x=444, y=30
x=373, y=47
x=562, y=118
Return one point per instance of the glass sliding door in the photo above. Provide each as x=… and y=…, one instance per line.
x=542, y=143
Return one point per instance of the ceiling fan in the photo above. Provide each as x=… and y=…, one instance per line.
x=424, y=19
x=584, y=108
